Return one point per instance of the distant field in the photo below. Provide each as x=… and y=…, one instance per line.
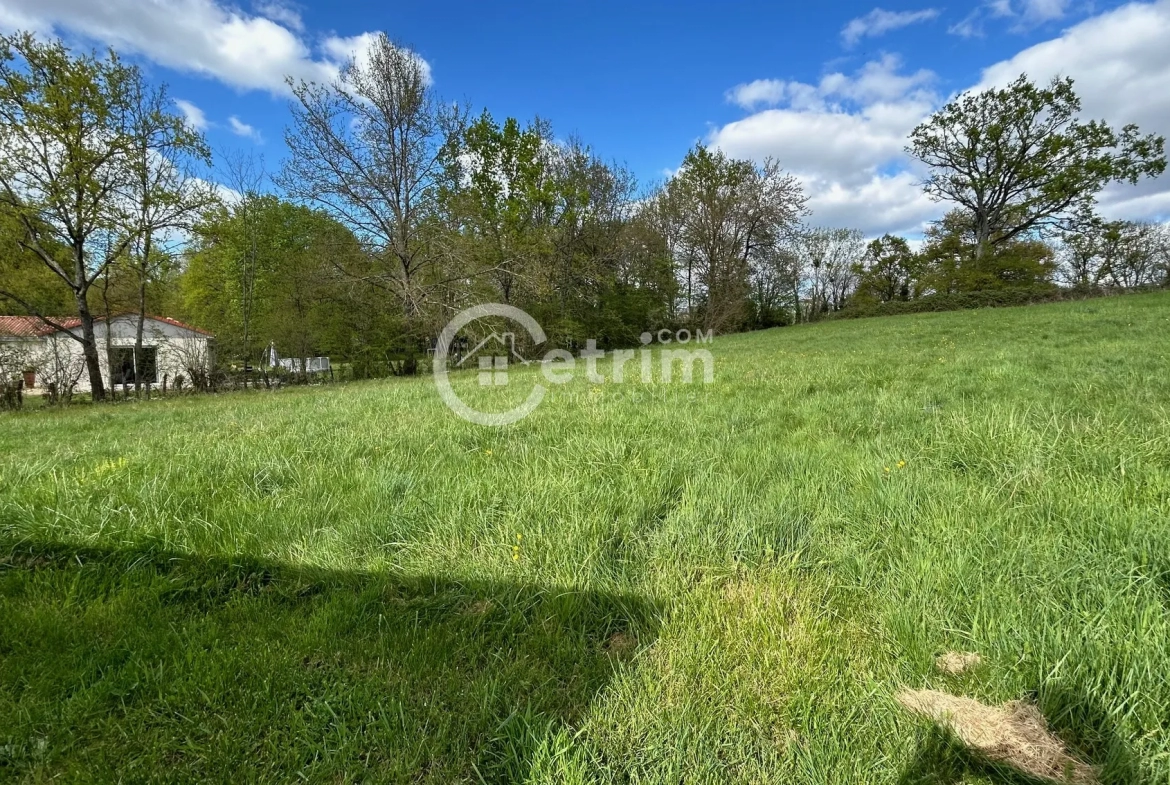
x=643, y=584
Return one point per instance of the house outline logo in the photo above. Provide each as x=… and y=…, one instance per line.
x=493, y=369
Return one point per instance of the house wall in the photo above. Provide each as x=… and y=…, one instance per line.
x=177, y=348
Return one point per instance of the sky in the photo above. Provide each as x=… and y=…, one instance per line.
x=829, y=90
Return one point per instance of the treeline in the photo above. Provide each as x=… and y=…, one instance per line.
x=395, y=210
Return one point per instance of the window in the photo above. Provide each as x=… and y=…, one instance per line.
x=124, y=368
x=146, y=366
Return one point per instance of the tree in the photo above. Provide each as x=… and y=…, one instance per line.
x=302, y=304
x=828, y=259
x=66, y=144
x=500, y=193
x=163, y=189
x=1081, y=265
x=367, y=149
x=948, y=261
x=29, y=282
x=776, y=284
x=727, y=213
x=1132, y=253
x=1019, y=162
x=246, y=177
x=888, y=271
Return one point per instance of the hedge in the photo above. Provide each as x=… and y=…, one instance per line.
x=991, y=298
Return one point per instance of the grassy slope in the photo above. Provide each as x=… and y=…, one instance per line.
x=714, y=583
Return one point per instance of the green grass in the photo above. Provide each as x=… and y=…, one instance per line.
x=715, y=583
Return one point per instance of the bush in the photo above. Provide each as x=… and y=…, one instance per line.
x=958, y=301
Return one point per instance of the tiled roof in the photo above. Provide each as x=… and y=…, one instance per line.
x=33, y=327
x=26, y=326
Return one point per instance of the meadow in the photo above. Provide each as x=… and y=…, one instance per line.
x=636, y=584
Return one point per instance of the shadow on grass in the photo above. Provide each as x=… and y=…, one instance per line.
x=1077, y=719
x=944, y=760
x=121, y=665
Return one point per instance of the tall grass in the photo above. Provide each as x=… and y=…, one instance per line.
x=637, y=583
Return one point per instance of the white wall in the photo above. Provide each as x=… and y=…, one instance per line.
x=177, y=348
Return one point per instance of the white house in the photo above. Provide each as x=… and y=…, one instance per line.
x=47, y=355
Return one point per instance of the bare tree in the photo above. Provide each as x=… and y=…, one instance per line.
x=58, y=367
x=15, y=357
x=246, y=175
x=368, y=149
x=828, y=272
x=1123, y=254
x=193, y=355
x=164, y=190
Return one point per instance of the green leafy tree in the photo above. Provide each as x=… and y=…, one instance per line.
x=888, y=271
x=726, y=213
x=66, y=149
x=501, y=192
x=30, y=283
x=1019, y=161
x=302, y=302
x=949, y=260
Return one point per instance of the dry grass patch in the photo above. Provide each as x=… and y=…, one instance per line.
x=953, y=663
x=1014, y=734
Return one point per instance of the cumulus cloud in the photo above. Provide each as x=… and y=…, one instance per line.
x=249, y=52
x=193, y=115
x=761, y=92
x=878, y=80
x=1120, y=66
x=884, y=203
x=240, y=128
x=880, y=21
x=357, y=48
x=844, y=137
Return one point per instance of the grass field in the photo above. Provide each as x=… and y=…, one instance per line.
x=645, y=584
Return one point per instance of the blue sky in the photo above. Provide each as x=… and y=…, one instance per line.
x=831, y=91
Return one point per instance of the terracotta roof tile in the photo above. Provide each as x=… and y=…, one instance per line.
x=32, y=327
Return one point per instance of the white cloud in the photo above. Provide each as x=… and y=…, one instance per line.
x=1120, y=65
x=880, y=21
x=844, y=137
x=357, y=47
x=1043, y=10
x=193, y=115
x=877, y=80
x=884, y=203
x=11, y=20
x=245, y=51
x=762, y=92
x=1026, y=13
x=278, y=12
x=240, y=128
